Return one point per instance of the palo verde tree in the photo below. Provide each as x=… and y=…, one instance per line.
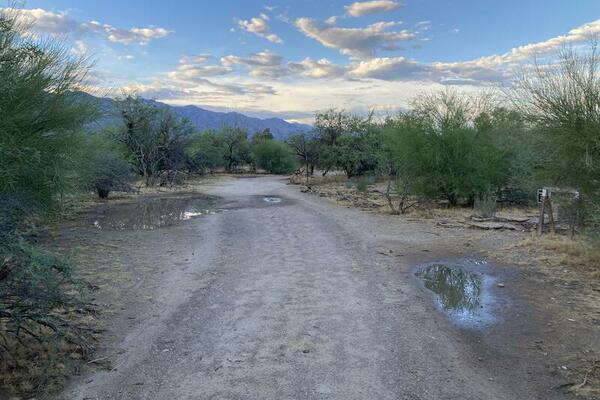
x=562, y=101
x=41, y=119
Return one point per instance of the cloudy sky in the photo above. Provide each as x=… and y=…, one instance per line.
x=291, y=58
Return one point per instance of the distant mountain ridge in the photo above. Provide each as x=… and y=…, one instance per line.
x=204, y=119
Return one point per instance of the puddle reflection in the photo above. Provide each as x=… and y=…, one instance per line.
x=153, y=213
x=459, y=292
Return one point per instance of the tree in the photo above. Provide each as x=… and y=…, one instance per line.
x=330, y=126
x=443, y=152
x=400, y=137
x=346, y=141
x=562, y=100
x=236, y=148
x=273, y=156
x=206, y=152
x=41, y=116
x=40, y=125
x=154, y=138
x=306, y=148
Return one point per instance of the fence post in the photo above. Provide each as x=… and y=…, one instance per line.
x=540, y=227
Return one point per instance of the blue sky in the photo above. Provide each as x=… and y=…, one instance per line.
x=291, y=58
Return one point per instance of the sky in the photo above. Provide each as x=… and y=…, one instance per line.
x=292, y=58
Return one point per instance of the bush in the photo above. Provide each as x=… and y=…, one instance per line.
x=206, y=153
x=274, y=157
x=362, y=184
x=154, y=138
x=485, y=205
x=439, y=148
x=108, y=173
x=41, y=122
x=562, y=102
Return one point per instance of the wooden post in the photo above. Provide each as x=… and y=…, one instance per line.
x=550, y=215
x=540, y=227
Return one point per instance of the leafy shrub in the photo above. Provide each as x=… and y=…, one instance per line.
x=485, y=205
x=206, y=153
x=108, y=173
x=274, y=156
x=362, y=183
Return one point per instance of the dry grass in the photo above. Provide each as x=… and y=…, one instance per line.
x=33, y=366
x=557, y=250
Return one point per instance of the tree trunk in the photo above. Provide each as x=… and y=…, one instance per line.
x=103, y=193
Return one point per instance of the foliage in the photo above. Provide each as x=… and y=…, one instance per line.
x=42, y=119
x=347, y=142
x=562, y=101
x=41, y=116
x=206, y=152
x=236, y=148
x=102, y=167
x=485, y=205
x=273, y=156
x=306, y=148
x=154, y=137
x=362, y=184
x=440, y=149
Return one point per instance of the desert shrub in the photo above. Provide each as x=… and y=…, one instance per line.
x=362, y=184
x=236, y=148
x=40, y=131
x=440, y=151
x=103, y=168
x=155, y=139
x=274, y=156
x=485, y=205
x=109, y=172
x=561, y=101
x=206, y=153
x=347, y=142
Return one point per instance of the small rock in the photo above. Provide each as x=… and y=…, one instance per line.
x=501, y=285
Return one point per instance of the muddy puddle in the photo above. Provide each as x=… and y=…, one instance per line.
x=460, y=290
x=152, y=212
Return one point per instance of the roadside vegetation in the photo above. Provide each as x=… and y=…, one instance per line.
x=451, y=149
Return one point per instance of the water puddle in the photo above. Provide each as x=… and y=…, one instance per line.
x=460, y=290
x=153, y=213
x=272, y=199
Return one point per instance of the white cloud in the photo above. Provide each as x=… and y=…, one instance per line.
x=391, y=68
x=259, y=27
x=361, y=8
x=263, y=64
x=59, y=24
x=357, y=42
x=322, y=68
x=80, y=48
x=194, y=68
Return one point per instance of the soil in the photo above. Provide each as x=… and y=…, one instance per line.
x=275, y=294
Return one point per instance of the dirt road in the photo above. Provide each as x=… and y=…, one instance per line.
x=301, y=299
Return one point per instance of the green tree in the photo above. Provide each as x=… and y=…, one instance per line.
x=306, y=148
x=444, y=153
x=562, y=100
x=154, y=137
x=236, y=148
x=41, y=119
x=206, y=152
x=41, y=116
x=103, y=167
x=274, y=156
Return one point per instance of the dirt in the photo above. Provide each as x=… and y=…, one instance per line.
x=282, y=294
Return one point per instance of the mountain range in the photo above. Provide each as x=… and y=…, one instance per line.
x=203, y=119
